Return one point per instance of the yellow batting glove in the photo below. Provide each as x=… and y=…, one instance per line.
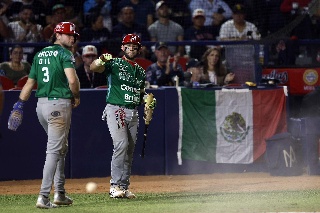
x=106, y=57
x=103, y=59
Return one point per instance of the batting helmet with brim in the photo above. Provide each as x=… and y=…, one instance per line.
x=66, y=28
x=131, y=39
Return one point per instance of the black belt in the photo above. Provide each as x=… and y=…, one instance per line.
x=125, y=106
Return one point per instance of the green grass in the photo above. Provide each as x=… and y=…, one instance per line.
x=280, y=201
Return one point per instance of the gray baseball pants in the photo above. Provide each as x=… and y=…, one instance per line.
x=55, y=118
x=123, y=126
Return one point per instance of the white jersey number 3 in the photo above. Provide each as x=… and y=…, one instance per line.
x=46, y=74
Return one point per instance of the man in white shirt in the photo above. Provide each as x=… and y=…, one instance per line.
x=25, y=30
x=238, y=28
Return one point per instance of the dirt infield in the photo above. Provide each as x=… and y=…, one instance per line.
x=227, y=182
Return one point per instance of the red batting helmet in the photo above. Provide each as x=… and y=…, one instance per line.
x=131, y=39
x=66, y=28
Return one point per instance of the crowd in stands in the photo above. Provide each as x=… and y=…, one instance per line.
x=102, y=21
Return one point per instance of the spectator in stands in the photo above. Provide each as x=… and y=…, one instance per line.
x=165, y=29
x=96, y=32
x=238, y=28
x=58, y=15
x=4, y=31
x=144, y=10
x=192, y=76
x=15, y=68
x=217, y=11
x=180, y=12
x=127, y=25
x=103, y=7
x=198, y=32
x=73, y=9
x=87, y=78
x=26, y=30
x=77, y=56
x=163, y=72
x=39, y=11
x=213, y=71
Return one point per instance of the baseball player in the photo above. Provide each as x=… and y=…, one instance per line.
x=58, y=92
x=126, y=80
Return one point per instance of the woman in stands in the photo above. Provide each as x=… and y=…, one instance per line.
x=213, y=71
x=15, y=68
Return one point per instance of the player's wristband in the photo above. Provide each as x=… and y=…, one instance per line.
x=18, y=105
x=99, y=62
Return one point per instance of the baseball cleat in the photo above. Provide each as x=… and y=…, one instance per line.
x=128, y=194
x=116, y=192
x=61, y=199
x=44, y=203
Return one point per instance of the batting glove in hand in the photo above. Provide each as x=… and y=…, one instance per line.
x=103, y=59
x=16, y=116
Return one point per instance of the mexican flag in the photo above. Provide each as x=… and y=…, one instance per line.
x=228, y=125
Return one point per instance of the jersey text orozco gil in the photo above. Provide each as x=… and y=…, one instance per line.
x=48, y=53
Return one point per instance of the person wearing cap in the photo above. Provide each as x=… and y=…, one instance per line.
x=143, y=9
x=198, y=32
x=126, y=89
x=58, y=15
x=163, y=72
x=216, y=11
x=165, y=29
x=58, y=91
x=192, y=76
x=87, y=78
x=238, y=28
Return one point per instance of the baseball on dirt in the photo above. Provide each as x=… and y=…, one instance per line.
x=91, y=187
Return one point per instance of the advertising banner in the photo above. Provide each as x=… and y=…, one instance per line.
x=300, y=81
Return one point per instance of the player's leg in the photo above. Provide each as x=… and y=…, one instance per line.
x=59, y=125
x=50, y=162
x=118, y=130
x=133, y=122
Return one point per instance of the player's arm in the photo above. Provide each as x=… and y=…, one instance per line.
x=74, y=85
x=98, y=64
x=26, y=90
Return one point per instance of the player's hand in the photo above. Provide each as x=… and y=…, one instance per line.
x=106, y=57
x=75, y=102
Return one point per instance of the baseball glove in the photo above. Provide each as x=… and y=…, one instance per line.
x=16, y=116
x=149, y=106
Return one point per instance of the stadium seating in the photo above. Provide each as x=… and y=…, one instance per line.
x=6, y=82
x=144, y=63
x=22, y=81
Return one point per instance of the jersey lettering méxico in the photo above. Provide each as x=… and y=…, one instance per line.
x=125, y=82
x=48, y=70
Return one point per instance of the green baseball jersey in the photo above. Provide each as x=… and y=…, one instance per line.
x=125, y=81
x=48, y=70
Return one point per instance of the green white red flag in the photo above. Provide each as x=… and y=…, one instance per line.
x=228, y=125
